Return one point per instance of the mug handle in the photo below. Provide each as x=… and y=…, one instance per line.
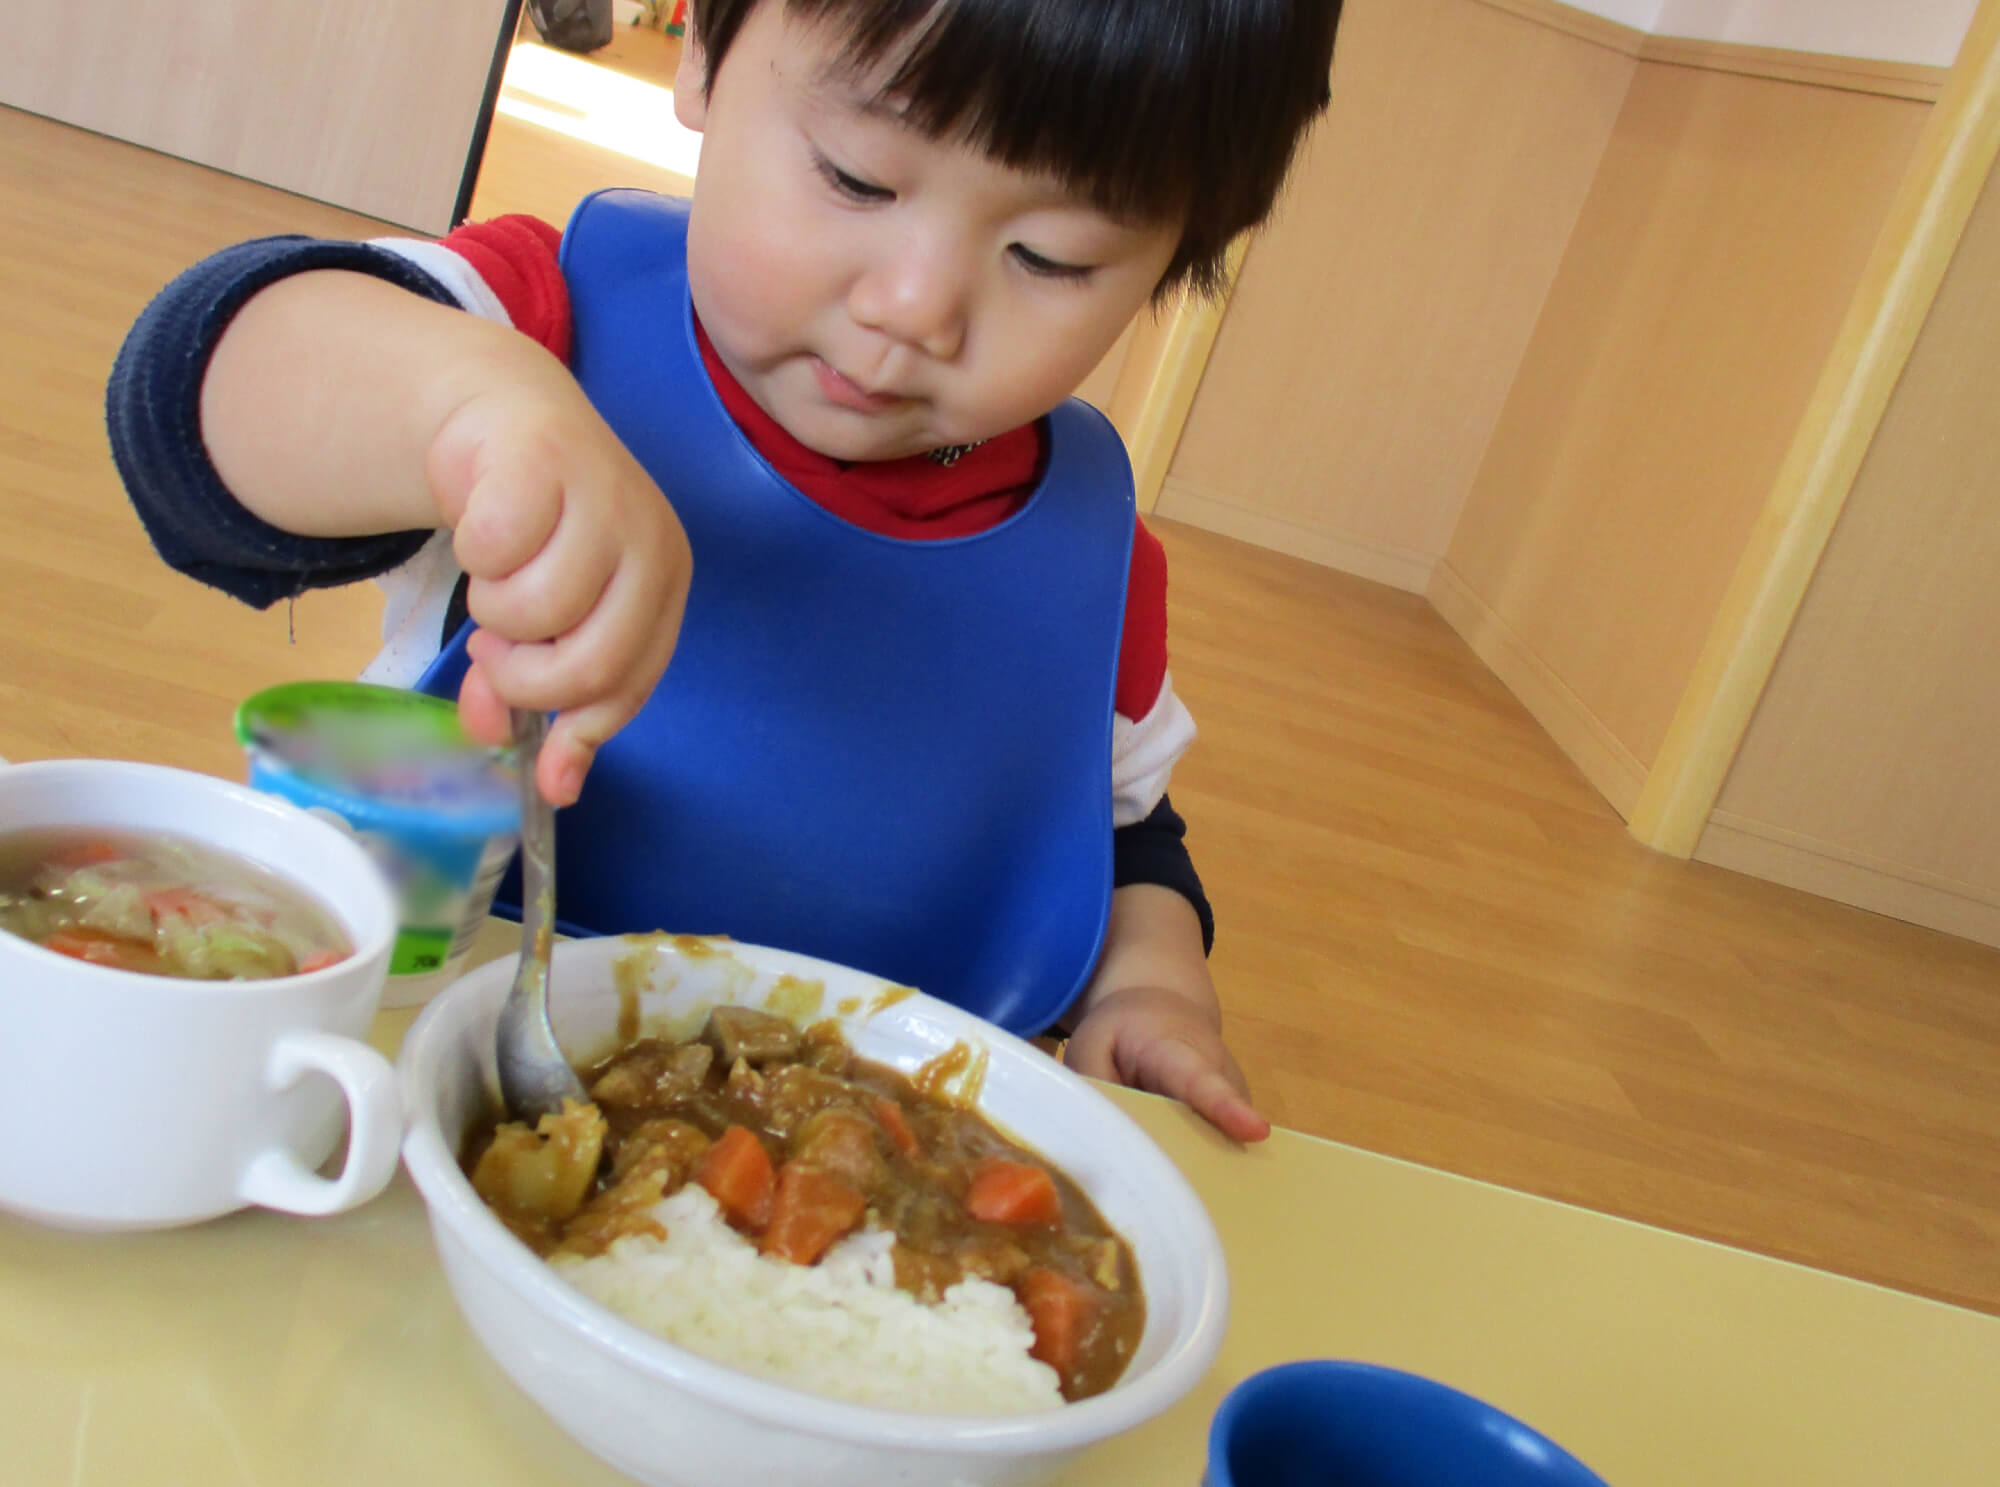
x=278, y=1179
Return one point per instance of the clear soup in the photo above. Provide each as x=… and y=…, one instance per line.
x=161, y=905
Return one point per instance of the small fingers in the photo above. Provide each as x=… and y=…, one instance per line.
x=572, y=746
x=509, y=515
x=572, y=741
x=1216, y=1100
x=1183, y=1072
x=552, y=590
x=479, y=706
x=617, y=652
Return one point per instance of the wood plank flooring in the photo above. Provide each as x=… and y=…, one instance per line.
x=543, y=173
x=1436, y=940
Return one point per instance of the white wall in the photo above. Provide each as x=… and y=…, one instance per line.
x=1640, y=15
x=1923, y=31
x=1926, y=31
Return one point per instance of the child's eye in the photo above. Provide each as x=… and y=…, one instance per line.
x=850, y=186
x=1049, y=268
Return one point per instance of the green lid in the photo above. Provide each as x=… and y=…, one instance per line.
x=394, y=749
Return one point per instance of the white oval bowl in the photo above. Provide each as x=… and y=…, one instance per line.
x=671, y=1418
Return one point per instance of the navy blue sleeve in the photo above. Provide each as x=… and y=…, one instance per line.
x=1155, y=851
x=153, y=409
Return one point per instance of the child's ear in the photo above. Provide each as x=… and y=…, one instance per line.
x=691, y=82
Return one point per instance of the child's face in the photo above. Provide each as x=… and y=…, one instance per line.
x=877, y=292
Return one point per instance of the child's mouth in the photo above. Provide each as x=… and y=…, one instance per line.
x=844, y=392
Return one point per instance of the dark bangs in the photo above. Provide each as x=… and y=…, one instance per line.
x=1178, y=111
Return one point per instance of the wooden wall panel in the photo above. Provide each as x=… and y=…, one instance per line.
x=1699, y=295
x=109, y=652
x=367, y=104
x=1868, y=770
x=1375, y=329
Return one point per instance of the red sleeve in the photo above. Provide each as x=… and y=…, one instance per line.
x=1142, y=654
x=517, y=257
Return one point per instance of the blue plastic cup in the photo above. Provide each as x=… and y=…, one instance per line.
x=1330, y=1423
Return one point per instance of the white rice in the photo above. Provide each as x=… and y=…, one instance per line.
x=839, y=1328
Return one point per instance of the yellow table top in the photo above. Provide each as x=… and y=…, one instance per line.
x=263, y=1350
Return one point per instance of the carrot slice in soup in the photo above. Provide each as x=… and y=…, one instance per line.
x=196, y=908
x=1005, y=1192
x=736, y=1170
x=813, y=1208
x=1063, y=1310
x=102, y=949
x=319, y=960
x=88, y=854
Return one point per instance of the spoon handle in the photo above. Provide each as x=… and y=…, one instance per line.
x=535, y=1077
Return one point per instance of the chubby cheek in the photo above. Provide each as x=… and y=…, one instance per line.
x=725, y=279
x=753, y=290
x=1032, y=373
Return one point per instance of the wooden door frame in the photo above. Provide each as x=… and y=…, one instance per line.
x=482, y=129
x=1155, y=389
x=1926, y=219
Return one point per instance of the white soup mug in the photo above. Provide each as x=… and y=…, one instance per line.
x=139, y=1102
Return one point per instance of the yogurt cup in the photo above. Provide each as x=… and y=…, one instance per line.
x=438, y=813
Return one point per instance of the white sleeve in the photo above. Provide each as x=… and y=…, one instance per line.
x=1143, y=755
x=460, y=279
x=416, y=595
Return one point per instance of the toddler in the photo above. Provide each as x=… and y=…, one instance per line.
x=805, y=438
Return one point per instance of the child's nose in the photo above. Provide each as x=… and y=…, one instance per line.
x=918, y=296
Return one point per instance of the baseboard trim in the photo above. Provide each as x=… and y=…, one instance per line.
x=1397, y=567
x=1612, y=35
x=1761, y=850
x=1911, y=80
x=1610, y=767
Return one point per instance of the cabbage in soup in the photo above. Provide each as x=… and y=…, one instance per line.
x=162, y=905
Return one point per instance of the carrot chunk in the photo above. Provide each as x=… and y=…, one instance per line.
x=88, y=854
x=889, y=1115
x=813, y=1208
x=1020, y=1193
x=196, y=908
x=1063, y=1310
x=103, y=949
x=319, y=960
x=736, y=1170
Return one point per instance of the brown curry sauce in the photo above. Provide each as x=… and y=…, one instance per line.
x=845, y=1143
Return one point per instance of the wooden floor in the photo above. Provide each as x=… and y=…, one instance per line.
x=546, y=174
x=1436, y=941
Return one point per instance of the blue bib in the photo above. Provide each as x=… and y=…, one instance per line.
x=894, y=755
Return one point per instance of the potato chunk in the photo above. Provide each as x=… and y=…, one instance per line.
x=542, y=1176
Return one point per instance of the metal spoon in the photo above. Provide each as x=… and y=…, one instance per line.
x=535, y=1078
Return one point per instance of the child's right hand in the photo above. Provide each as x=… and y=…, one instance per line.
x=579, y=568
x=337, y=404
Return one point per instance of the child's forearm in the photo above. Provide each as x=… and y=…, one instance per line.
x=1153, y=940
x=324, y=398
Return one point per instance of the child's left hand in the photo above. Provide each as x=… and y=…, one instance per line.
x=1150, y=1017
x=1158, y=1040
